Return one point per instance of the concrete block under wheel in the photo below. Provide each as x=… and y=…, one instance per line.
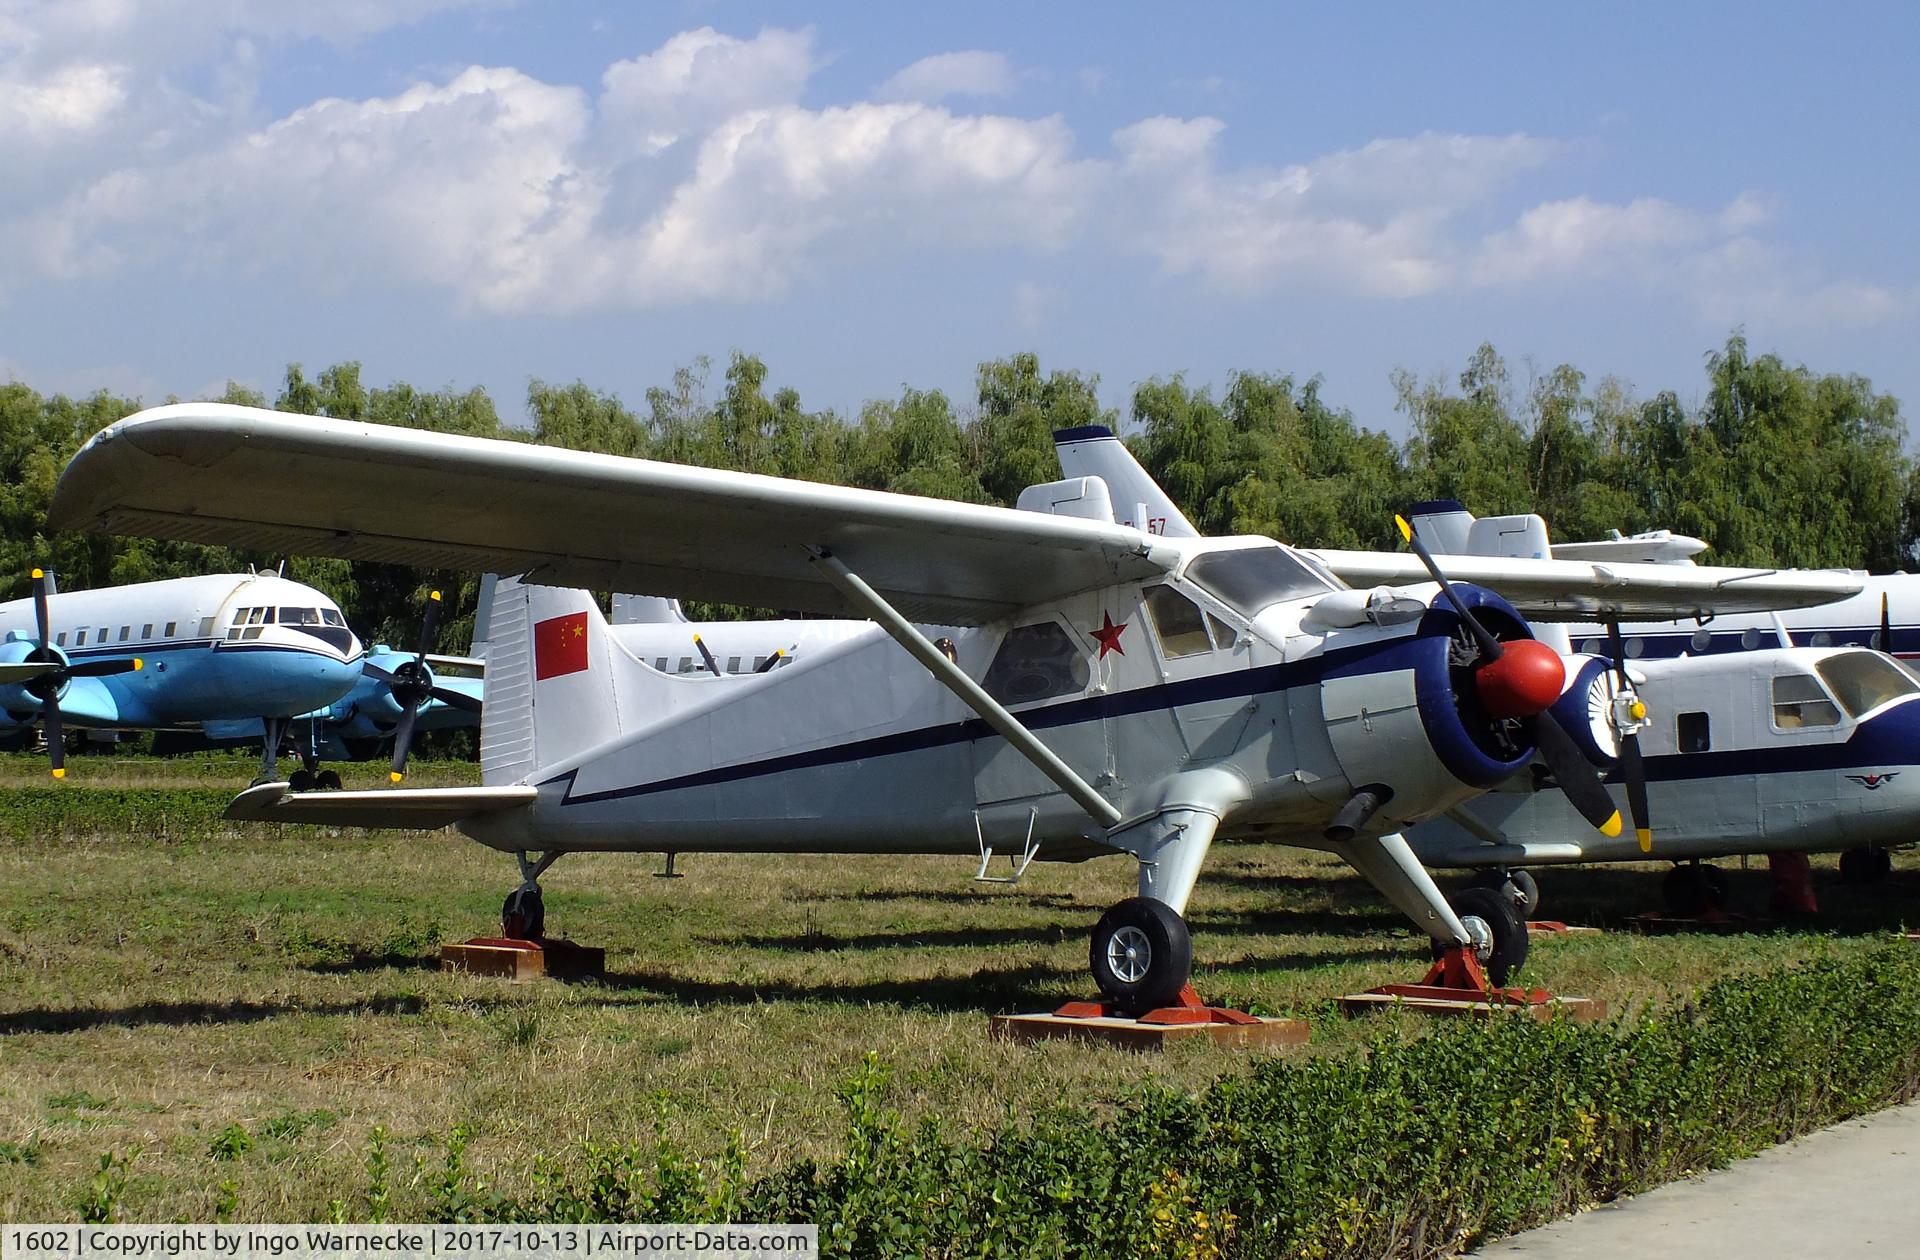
x=1548, y=928
x=518, y=960
x=1110, y=1030
x=1578, y=1009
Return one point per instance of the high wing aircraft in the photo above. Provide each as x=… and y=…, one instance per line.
x=183, y=653
x=1105, y=690
x=1776, y=750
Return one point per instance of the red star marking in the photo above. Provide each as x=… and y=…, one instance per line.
x=1108, y=636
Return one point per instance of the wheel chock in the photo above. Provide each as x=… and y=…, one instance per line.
x=1456, y=985
x=513, y=958
x=1188, y=1017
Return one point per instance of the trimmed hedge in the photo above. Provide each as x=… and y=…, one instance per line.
x=1418, y=1147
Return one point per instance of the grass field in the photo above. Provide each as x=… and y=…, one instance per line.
x=239, y=1007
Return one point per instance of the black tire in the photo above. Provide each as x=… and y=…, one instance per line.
x=1865, y=865
x=1690, y=890
x=300, y=780
x=1527, y=890
x=1506, y=931
x=1141, y=955
x=523, y=916
x=327, y=781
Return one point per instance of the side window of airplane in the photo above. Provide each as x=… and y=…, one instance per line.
x=80, y=638
x=1800, y=701
x=206, y=628
x=60, y=640
x=171, y=627
x=126, y=632
x=103, y=635
x=146, y=631
x=331, y=617
x=1695, y=733
x=1183, y=628
x=1037, y=662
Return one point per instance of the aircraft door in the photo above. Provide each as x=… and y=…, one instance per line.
x=1201, y=659
x=1038, y=670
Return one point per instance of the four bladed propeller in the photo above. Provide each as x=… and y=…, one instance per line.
x=1521, y=679
x=47, y=685
x=412, y=685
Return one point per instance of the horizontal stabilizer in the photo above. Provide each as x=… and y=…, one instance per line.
x=417, y=809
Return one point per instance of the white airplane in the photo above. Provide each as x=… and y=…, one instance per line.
x=1759, y=747
x=1184, y=687
x=200, y=652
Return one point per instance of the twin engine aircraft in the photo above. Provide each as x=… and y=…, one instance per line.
x=1097, y=689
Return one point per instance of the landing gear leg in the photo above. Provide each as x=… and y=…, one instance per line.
x=523, y=916
x=1487, y=928
x=273, y=730
x=1141, y=954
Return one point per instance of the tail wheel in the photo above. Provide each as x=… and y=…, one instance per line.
x=1494, y=925
x=523, y=916
x=1141, y=955
x=1865, y=865
x=1692, y=889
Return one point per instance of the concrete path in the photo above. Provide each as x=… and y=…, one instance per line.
x=1852, y=1190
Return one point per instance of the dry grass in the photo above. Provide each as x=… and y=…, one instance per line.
x=154, y=994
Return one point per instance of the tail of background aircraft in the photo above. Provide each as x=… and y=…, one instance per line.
x=1093, y=451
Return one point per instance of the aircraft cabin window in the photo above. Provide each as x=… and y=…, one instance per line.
x=1822, y=639
x=1178, y=621
x=1592, y=647
x=126, y=632
x=1750, y=638
x=1701, y=640
x=1865, y=680
x=146, y=631
x=80, y=639
x=1695, y=733
x=1037, y=662
x=102, y=638
x=1799, y=700
x=60, y=640
x=1251, y=578
x=168, y=633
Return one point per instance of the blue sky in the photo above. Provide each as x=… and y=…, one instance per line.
x=460, y=192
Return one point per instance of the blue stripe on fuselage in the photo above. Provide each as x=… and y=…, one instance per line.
x=1890, y=738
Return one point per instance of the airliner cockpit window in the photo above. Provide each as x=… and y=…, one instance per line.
x=332, y=617
x=1865, y=680
x=1799, y=700
x=1252, y=578
x=1037, y=662
x=299, y=616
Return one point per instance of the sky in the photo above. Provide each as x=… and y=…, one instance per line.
x=483, y=192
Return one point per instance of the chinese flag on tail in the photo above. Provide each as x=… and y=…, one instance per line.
x=560, y=646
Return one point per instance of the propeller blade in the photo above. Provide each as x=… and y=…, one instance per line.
x=402, y=745
x=105, y=669
x=456, y=699
x=706, y=654
x=1632, y=766
x=1886, y=626
x=1576, y=775
x=51, y=727
x=40, y=618
x=771, y=661
x=26, y=671
x=430, y=628
x=1489, y=646
x=374, y=671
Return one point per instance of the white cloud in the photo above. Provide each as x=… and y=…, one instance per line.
x=699, y=79
x=74, y=98
x=933, y=79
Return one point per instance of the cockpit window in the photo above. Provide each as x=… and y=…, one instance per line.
x=1865, y=680
x=1799, y=700
x=332, y=617
x=1036, y=662
x=1252, y=578
x=1177, y=620
x=299, y=616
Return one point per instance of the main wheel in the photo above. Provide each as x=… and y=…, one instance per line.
x=523, y=916
x=1141, y=955
x=1690, y=890
x=1498, y=932
x=300, y=781
x=1865, y=865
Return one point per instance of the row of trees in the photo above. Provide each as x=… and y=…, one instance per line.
x=1775, y=465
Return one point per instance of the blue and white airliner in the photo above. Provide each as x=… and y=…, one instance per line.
x=213, y=653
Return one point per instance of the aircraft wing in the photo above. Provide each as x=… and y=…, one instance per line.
x=240, y=476
x=1575, y=590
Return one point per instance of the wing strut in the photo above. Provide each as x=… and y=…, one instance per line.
x=868, y=601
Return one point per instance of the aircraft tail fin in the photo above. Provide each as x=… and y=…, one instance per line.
x=552, y=686
x=1092, y=450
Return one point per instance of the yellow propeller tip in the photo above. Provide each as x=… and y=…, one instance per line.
x=37, y=575
x=1611, y=827
x=1406, y=530
x=138, y=664
x=395, y=776
x=434, y=596
x=1645, y=837
x=59, y=772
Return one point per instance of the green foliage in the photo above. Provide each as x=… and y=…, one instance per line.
x=99, y=1199
x=1417, y=1146
x=230, y=1143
